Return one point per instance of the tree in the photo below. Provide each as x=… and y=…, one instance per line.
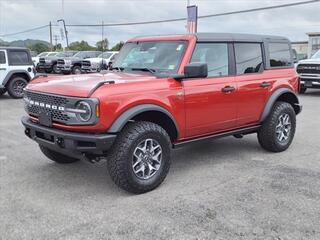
x=58, y=47
x=118, y=46
x=102, y=45
x=81, y=46
x=39, y=47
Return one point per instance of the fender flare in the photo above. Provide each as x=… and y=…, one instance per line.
x=134, y=111
x=9, y=75
x=273, y=98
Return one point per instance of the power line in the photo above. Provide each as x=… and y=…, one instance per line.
x=170, y=20
x=25, y=31
x=200, y=17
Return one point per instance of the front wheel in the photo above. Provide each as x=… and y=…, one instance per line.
x=277, y=131
x=57, y=157
x=302, y=90
x=140, y=158
x=76, y=70
x=15, y=87
x=55, y=69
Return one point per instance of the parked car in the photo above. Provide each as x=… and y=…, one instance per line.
x=72, y=64
x=309, y=72
x=102, y=62
x=36, y=59
x=16, y=70
x=165, y=92
x=48, y=64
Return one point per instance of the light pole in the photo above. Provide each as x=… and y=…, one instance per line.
x=65, y=30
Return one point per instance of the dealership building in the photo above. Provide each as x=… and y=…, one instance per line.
x=307, y=48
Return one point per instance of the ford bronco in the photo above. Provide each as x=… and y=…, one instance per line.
x=163, y=92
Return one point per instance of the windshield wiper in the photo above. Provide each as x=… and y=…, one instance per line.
x=151, y=70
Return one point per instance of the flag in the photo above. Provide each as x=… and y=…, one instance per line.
x=192, y=19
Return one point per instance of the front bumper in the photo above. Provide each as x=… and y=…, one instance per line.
x=68, y=143
x=44, y=66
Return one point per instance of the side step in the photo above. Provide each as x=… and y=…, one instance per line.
x=237, y=133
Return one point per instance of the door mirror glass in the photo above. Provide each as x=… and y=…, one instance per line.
x=196, y=70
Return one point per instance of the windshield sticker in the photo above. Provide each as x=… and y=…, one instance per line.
x=180, y=46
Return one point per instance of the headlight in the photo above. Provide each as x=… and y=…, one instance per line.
x=84, y=111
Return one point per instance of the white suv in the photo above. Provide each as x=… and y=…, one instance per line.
x=103, y=61
x=16, y=70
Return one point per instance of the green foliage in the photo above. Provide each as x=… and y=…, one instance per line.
x=81, y=46
x=102, y=45
x=118, y=46
x=39, y=47
x=58, y=48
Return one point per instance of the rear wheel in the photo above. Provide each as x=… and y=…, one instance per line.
x=76, y=70
x=277, y=131
x=140, y=158
x=57, y=157
x=15, y=87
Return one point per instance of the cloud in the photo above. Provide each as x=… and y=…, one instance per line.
x=17, y=15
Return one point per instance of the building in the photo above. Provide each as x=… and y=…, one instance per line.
x=313, y=43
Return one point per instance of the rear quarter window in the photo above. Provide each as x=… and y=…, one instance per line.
x=18, y=58
x=2, y=57
x=279, y=54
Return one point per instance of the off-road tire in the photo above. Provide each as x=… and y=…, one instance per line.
x=13, y=90
x=121, y=155
x=302, y=90
x=55, y=69
x=2, y=91
x=76, y=70
x=267, y=134
x=57, y=157
x=48, y=70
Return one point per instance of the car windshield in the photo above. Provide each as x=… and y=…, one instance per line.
x=66, y=54
x=105, y=55
x=316, y=55
x=43, y=54
x=153, y=56
x=52, y=54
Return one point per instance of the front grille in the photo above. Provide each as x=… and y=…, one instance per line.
x=60, y=62
x=42, y=60
x=309, y=68
x=86, y=64
x=57, y=102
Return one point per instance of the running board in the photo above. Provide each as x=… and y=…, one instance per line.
x=242, y=131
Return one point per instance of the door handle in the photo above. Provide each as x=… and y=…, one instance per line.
x=228, y=89
x=265, y=84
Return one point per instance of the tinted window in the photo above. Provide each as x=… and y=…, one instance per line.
x=215, y=55
x=18, y=57
x=279, y=54
x=2, y=57
x=248, y=57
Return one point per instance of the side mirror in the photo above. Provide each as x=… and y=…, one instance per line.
x=193, y=70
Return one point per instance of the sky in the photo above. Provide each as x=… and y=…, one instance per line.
x=19, y=15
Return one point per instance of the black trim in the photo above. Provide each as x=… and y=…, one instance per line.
x=9, y=75
x=67, y=142
x=242, y=131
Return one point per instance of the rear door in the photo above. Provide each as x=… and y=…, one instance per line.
x=253, y=84
x=3, y=65
x=210, y=103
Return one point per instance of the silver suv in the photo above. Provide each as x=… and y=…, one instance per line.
x=16, y=70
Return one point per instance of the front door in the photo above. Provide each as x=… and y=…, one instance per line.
x=3, y=66
x=210, y=103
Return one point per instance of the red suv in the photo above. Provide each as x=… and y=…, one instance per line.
x=166, y=91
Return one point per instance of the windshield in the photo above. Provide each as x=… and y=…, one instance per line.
x=66, y=54
x=161, y=56
x=52, y=54
x=316, y=55
x=105, y=55
x=43, y=54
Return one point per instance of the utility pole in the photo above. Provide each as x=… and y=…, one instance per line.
x=102, y=36
x=50, y=29
x=56, y=40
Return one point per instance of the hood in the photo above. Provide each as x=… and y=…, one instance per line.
x=81, y=85
x=310, y=61
x=94, y=59
x=70, y=58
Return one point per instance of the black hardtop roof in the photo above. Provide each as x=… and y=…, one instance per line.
x=238, y=37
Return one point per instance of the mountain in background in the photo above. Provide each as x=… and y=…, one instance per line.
x=22, y=43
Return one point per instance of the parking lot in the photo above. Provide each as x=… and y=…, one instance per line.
x=221, y=189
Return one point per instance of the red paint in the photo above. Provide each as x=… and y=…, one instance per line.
x=202, y=109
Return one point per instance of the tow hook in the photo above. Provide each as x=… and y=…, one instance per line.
x=27, y=132
x=60, y=142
